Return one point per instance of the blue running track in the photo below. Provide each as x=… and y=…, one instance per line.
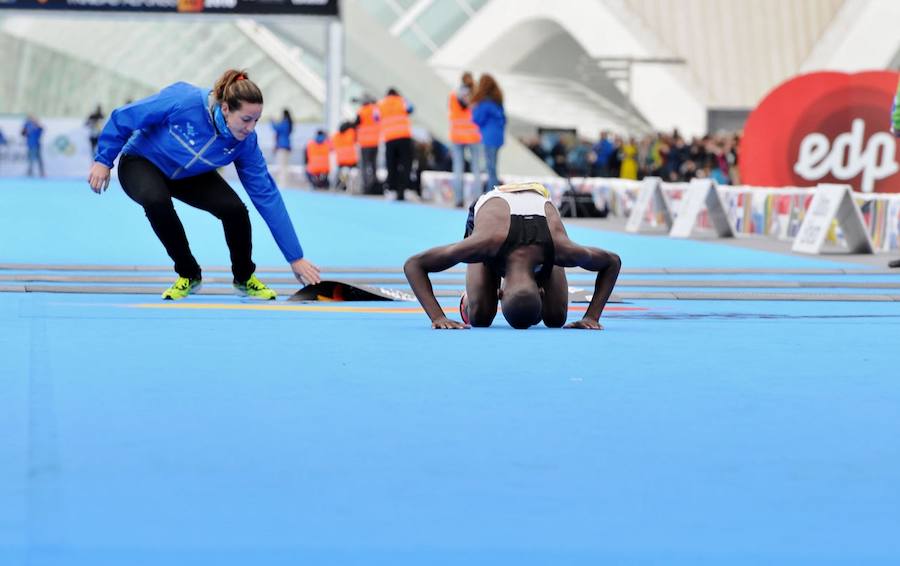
x=217, y=431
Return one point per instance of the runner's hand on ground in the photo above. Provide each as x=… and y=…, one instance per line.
x=444, y=323
x=585, y=324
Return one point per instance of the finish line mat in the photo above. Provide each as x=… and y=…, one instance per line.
x=366, y=283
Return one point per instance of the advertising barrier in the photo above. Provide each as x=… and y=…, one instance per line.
x=763, y=211
x=65, y=147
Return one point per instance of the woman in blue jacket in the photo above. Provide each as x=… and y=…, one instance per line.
x=171, y=145
x=488, y=114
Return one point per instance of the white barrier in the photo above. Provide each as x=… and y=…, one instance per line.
x=650, y=197
x=830, y=204
x=770, y=211
x=701, y=194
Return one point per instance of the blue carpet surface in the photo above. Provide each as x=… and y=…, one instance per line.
x=218, y=431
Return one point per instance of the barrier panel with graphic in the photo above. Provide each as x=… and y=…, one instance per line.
x=762, y=211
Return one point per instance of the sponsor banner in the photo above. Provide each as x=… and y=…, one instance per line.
x=284, y=7
x=824, y=127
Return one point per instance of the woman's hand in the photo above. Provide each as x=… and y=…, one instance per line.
x=98, y=177
x=305, y=272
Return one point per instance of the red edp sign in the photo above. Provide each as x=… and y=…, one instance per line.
x=824, y=127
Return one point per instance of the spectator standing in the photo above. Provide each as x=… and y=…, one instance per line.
x=368, y=133
x=441, y=160
x=490, y=118
x=396, y=130
x=731, y=156
x=3, y=144
x=719, y=165
x=423, y=160
x=283, y=130
x=533, y=143
x=318, y=163
x=603, y=154
x=94, y=123
x=464, y=134
x=629, y=167
x=678, y=154
x=697, y=151
x=558, y=155
x=578, y=157
x=343, y=142
x=32, y=130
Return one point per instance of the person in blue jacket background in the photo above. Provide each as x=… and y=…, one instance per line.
x=32, y=131
x=488, y=113
x=171, y=145
x=283, y=130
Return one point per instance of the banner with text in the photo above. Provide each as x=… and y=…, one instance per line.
x=824, y=127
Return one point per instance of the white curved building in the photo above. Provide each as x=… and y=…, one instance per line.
x=631, y=66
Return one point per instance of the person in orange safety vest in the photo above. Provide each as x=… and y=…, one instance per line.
x=464, y=134
x=344, y=145
x=317, y=160
x=396, y=131
x=368, y=135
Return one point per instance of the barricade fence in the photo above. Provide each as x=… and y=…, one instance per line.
x=769, y=211
x=766, y=211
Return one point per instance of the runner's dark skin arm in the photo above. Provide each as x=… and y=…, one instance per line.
x=569, y=254
x=470, y=250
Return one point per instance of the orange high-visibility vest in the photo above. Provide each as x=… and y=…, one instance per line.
x=317, y=157
x=395, y=122
x=369, y=130
x=462, y=129
x=344, y=144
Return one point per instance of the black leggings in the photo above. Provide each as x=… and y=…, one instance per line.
x=150, y=188
x=398, y=156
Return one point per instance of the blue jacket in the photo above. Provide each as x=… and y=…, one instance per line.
x=174, y=130
x=604, y=149
x=32, y=132
x=491, y=121
x=282, y=134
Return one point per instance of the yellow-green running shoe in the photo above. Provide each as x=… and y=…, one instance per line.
x=181, y=289
x=255, y=289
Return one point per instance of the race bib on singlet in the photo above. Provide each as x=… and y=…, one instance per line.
x=519, y=187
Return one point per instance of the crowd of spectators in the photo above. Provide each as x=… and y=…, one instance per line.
x=668, y=156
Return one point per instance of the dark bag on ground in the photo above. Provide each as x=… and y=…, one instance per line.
x=575, y=204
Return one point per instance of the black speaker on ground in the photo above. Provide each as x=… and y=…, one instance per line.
x=575, y=204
